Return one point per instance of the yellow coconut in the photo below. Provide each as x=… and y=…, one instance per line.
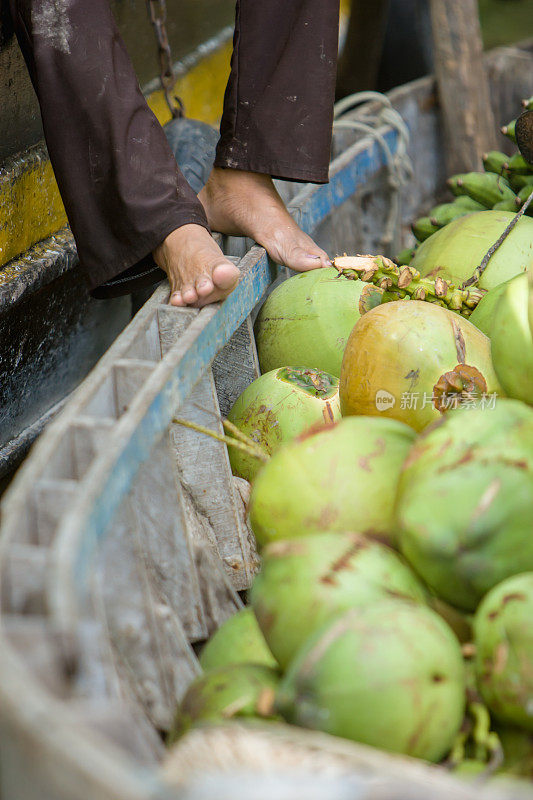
x=413, y=361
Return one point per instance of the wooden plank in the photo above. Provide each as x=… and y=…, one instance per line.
x=166, y=540
x=23, y=581
x=46, y=753
x=202, y=463
x=102, y=403
x=146, y=344
x=220, y=599
x=52, y=499
x=89, y=435
x=118, y=723
x=130, y=376
x=36, y=639
x=242, y=491
x=463, y=85
x=148, y=642
x=236, y=366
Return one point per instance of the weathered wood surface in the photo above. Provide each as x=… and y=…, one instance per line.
x=463, y=86
x=122, y=569
x=202, y=462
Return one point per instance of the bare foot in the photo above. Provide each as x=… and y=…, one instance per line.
x=247, y=204
x=198, y=271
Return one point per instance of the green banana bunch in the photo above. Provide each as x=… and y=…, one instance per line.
x=405, y=283
x=486, y=188
x=527, y=104
x=497, y=162
x=446, y=212
x=519, y=166
x=509, y=130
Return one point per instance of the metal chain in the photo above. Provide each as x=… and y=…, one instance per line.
x=157, y=10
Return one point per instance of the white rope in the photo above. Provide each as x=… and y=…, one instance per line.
x=399, y=164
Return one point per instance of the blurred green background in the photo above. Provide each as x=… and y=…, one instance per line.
x=505, y=21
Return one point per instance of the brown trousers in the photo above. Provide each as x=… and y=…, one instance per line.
x=118, y=178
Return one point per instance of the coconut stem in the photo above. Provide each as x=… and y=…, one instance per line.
x=236, y=432
x=487, y=742
x=404, y=283
x=243, y=443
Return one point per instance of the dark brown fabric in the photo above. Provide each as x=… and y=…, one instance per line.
x=119, y=181
x=278, y=107
x=118, y=178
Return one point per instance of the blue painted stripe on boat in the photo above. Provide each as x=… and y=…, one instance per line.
x=321, y=201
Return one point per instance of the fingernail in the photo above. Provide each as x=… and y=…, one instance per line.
x=329, y=263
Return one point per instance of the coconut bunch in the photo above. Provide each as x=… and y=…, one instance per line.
x=339, y=637
x=505, y=184
x=472, y=546
x=346, y=635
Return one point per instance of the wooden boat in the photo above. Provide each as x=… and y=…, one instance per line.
x=44, y=305
x=124, y=539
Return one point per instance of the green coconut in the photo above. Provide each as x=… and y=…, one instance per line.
x=503, y=635
x=465, y=501
x=340, y=479
x=389, y=675
x=238, y=641
x=304, y=582
x=307, y=320
x=454, y=252
x=512, y=341
x=279, y=406
x=459, y=622
x=517, y=750
x=236, y=690
x=413, y=361
x=483, y=314
x=469, y=769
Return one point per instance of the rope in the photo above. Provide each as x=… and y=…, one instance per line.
x=399, y=166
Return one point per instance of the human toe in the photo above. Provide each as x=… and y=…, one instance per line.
x=189, y=295
x=204, y=286
x=225, y=276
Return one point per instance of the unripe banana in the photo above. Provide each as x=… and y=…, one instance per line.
x=485, y=187
x=494, y=161
x=507, y=205
x=528, y=103
x=423, y=228
x=509, y=130
x=445, y=213
x=519, y=181
x=404, y=258
x=519, y=166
